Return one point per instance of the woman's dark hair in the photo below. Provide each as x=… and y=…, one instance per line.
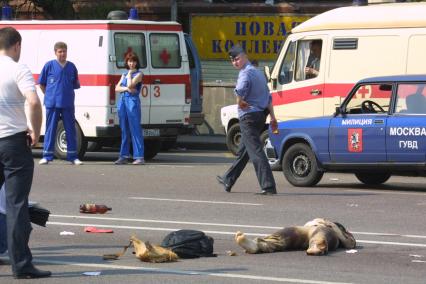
x=131, y=56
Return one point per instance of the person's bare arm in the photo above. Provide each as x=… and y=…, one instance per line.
x=35, y=116
x=273, y=120
x=242, y=103
x=42, y=88
x=119, y=88
x=134, y=81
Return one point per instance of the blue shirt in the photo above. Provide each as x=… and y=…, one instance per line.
x=60, y=83
x=252, y=88
x=138, y=86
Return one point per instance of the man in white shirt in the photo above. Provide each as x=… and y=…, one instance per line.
x=17, y=86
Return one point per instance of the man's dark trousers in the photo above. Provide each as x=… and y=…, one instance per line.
x=16, y=170
x=252, y=125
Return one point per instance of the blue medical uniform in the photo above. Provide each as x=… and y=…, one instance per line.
x=130, y=115
x=60, y=82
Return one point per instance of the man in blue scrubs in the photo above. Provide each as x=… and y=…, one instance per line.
x=58, y=79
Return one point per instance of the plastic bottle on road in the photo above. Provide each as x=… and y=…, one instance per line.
x=94, y=208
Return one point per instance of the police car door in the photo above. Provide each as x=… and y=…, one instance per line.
x=406, y=128
x=357, y=134
x=133, y=41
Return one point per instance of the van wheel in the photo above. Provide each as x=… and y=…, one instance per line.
x=233, y=138
x=373, y=178
x=61, y=142
x=151, y=148
x=300, y=166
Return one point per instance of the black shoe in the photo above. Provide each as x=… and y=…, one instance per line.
x=264, y=192
x=33, y=273
x=226, y=187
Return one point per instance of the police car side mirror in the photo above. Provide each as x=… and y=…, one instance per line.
x=337, y=112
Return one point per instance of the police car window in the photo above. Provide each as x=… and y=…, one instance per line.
x=129, y=42
x=370, y=98
x=308, y=59
x=411, y=99
x=165, y=51
x=286, y=72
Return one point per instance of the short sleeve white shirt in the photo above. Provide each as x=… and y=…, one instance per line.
x=15, y=80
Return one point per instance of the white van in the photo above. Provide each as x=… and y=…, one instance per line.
x=356, y=42
x=97, y=48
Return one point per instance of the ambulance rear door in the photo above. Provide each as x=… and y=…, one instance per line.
x=169, y=78
x=134, y=41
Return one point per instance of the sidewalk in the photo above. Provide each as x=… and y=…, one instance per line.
x=202, y=142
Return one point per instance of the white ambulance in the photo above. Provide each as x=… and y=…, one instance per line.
x=97, y=48
x=355, y=42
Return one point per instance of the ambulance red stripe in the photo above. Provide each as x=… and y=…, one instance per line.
x=104, y=80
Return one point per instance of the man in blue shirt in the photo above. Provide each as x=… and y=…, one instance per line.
x=254, y=103
x=58, y=79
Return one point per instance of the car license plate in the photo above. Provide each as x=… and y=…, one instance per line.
x=151, y=132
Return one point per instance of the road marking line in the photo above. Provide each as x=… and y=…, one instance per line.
x=213, y=232
x=219, y=225
x=164, y=221
x=187, y=272
x=197, y=201
x=387, y=192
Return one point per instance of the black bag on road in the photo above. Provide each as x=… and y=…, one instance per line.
x=189, y=244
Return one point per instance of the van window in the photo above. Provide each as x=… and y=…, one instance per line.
x=370, y=98
x=286, y=72
x=165, y=52
x=308, y=59
x=129, y=42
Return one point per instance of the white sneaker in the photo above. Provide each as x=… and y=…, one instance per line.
x=77, y=162
x=43, y=162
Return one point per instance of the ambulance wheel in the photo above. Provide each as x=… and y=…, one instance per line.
x=168, y=144
x=300, y=166
x=151, y=149
x=373, y=178
x=61, y=142
x=233, y=138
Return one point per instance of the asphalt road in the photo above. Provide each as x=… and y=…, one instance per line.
x=178, y=190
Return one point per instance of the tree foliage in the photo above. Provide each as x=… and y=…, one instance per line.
x=51, y=9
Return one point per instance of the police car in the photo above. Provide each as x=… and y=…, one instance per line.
x=379, y=130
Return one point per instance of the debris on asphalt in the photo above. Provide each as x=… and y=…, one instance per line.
x=96, y=230
x=66, y=233
x=92, y=273
x=231, y=253
x=352, y=251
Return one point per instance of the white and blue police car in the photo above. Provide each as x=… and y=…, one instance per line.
x=379, y=130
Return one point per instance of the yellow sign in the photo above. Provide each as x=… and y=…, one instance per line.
x=260, y=36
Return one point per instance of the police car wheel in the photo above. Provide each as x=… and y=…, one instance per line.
x=233, y=138
x=373, y=178
x=300, y=166
x=61, y=142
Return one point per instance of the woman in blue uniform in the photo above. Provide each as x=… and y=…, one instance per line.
x=129, y=112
